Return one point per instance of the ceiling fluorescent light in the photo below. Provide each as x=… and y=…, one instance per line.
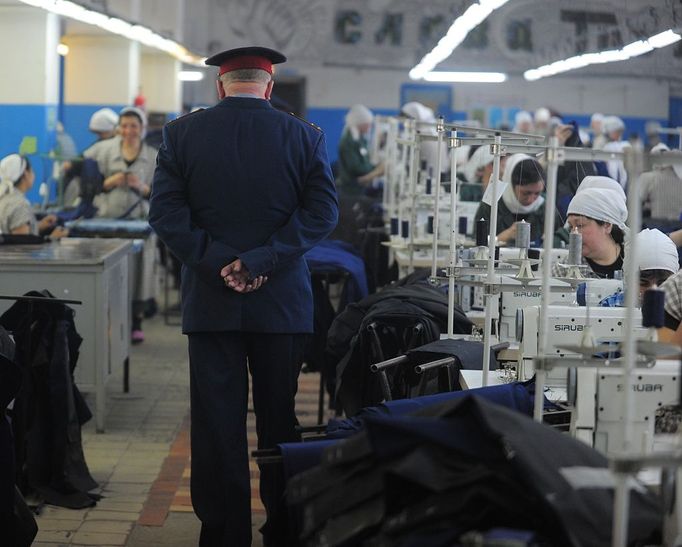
x=634, y=49
x=474, y=15
x=664, y=38
x=466, y=77
x=139, y=33
x=190, y=76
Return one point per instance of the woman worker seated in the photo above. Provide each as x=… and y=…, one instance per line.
x=16, y=214
x=598, y=212
x=522, y=200
x=355, y=169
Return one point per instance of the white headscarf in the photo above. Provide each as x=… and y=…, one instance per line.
x=509, y=197
x=103, y=120
x=662, y=147
x=521, y=117
x=478, y=160
x=602, y=204
x=613, y=123
x=11, y=169
x=656, y=251
x=602, y=182
x=419, y=112
x=357, y=115
x=542, y=115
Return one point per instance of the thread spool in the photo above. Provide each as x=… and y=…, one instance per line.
x=463, y=225
x=653, y=314
x=429, y=184
x=481, y=232
x=395, y=227
x=575, y=248
x=405, y=229
x=523, y=235
x=429, y=225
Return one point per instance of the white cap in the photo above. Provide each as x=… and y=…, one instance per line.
x=602, y=182
x=613, y=123
x=597, y=117
x=542, y=115
x=600, y=204
x=11, y=168
x=522, y=116
x=137, y=112
x=358, y=114
x=418, y=111
x=662, y=147
x=656, y=251
x=103, y=120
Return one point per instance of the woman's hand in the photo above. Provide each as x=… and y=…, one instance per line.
x=508, y=235
x=117, y=180
x=136, y=184
x=46, y=223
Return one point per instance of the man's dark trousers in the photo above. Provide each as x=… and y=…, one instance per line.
x=220, y=485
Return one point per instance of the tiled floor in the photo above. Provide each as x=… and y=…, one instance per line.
x=142, y=461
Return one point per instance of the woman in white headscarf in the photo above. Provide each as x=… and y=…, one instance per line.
x=428, y=149
x=127, y=164
x=522, y=200
x=598, y=211
x=16, y=214
x=355, y=169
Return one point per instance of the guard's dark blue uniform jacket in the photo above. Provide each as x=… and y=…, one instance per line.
x=243, y=180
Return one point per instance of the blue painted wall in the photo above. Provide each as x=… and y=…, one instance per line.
x=20, y=120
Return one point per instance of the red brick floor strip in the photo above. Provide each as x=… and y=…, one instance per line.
x=165, y=486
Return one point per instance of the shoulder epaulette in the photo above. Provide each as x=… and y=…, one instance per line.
x=311, y=124
x=186, y=115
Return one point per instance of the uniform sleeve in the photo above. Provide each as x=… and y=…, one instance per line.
x=312, y=221
x=170, y=216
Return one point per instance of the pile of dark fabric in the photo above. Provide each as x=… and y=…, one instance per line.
x=16, y=520
x=464, y=469
x=48, y=410
x=382, y=326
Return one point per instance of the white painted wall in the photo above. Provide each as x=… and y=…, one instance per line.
x=101, y=69
x=30, y=63
x=160, y=85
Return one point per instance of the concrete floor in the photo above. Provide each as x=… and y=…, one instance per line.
x=127, y=458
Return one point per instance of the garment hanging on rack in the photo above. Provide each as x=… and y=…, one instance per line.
x=49, y=409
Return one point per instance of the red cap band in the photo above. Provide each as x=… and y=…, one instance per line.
x=246, y=61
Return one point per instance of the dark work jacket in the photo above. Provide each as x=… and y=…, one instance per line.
x=49, y=410
x=570, y=174
x=459, y=466
x=396, y=310
x=243, y=180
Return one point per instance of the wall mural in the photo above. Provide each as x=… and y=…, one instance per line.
x=397, y=33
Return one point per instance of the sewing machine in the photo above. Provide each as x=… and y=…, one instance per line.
x=653, y=388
